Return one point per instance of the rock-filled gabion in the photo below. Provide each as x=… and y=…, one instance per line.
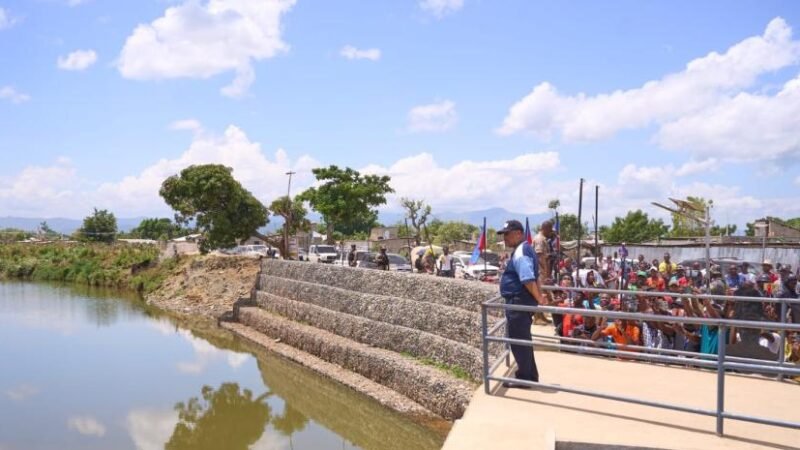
x=399, y=339
x=467, y=295
x=430, y=387
x=445, y=321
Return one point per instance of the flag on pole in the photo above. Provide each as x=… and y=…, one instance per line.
x=480, y=246
x=528, y=236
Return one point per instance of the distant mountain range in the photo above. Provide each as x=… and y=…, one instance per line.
x=495, y=217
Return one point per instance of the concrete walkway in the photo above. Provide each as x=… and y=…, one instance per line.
x=535, y=419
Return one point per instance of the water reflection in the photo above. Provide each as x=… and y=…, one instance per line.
x=227, y=417
x=102, y=372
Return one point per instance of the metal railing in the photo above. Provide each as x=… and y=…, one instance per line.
x=720, y=361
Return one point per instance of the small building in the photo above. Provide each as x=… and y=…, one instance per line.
x=774, y=228
x=384, y=233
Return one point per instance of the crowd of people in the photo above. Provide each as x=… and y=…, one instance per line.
x=661, y=280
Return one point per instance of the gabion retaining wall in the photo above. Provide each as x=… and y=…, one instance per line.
x=427, y=386
x=463, y=294
x=379, y=334
x=445, y=321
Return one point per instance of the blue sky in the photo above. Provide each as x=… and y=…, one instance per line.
x=469, y=104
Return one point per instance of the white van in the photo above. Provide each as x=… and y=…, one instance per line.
x=322, y=253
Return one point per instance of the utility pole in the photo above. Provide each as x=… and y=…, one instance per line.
x=580, y=229
x=288, y=223
x=596, y=219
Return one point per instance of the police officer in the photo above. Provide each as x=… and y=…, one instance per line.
x=520, y=286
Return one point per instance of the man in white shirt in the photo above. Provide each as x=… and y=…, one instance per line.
x=445, y=264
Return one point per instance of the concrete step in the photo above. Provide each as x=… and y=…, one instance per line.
x=430, y=387
x=396, y=338
x=446, y=321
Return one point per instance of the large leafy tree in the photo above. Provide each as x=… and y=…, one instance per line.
x=726, y=230
x=223, y=210
x=159, y=229
x=635, y=227
x=100, y=226
x=227, y=418
x=450, y=232
x=568, y=227
x=417, y=211
x=346, y=199
x=683, y=226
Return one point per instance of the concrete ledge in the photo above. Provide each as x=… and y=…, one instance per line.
x=467, y=295
x=427, y=386
x=379, y=334
x=446, y=321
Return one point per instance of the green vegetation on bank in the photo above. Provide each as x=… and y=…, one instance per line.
x=120, y=266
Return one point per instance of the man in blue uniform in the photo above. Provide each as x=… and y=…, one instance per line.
x=520, y=286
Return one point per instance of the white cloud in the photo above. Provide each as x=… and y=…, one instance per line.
x=77, y=60
x=205, y=354
x=697, y=167
x=350, y=52
x=58, y=190
x=704, y=83
x=202, y=39
x=470, y=185
x=434, y=117
x=22, y=392
x=87, y=426
x=186, y=124
x=264, y=177
x=441, y=8
x=797, y=181
x=151, y=429
x=47, y=190
x=747, y=127
x=12, y=95
x=6, y=20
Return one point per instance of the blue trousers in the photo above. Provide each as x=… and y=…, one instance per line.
x=519, y=327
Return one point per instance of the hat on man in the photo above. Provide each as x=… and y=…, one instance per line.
x=786, y=269
x=767, y=262
x=511, y=225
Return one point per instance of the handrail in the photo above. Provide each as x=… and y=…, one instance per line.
x=720, y=361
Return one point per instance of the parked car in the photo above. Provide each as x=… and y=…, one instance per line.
x=397, y=263
x=477, y=271
x=723, y=263
x=322, y=253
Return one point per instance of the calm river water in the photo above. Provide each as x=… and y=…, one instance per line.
x=87, y=369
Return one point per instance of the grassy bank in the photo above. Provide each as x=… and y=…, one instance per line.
x=121, y=266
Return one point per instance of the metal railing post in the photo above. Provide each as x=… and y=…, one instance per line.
x=485, y=344
x=782, y=347
x=722, y=339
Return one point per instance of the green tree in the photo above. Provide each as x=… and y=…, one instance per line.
x=635, y=227
x=223, y=210
x=346, y=199
x=453, y=231
x=683, y=226
x=569, y=229
x=227, y=418
x=726, y=230
x=554, y=204
x=101, y=226
x=750, y=229
x=158, y=229
x=48, y=232
x=294, y=217
x=417, y=211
